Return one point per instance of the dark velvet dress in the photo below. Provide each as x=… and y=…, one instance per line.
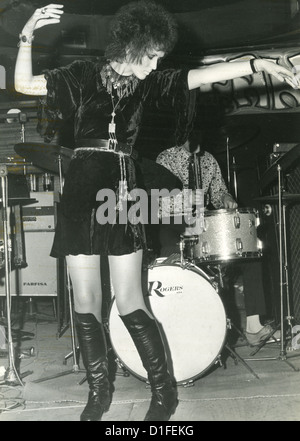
x=76, y=93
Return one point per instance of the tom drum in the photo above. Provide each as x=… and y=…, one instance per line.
x=228, y=234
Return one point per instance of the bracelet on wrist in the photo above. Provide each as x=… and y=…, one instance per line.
x=252, y=65
x=25, y=39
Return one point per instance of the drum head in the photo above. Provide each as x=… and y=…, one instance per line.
x=191, y=318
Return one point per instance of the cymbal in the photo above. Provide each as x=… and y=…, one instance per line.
x=239, y=168
x=45, y=156
x=156, y=176
x=274, y=198
x=234, y=136
x=286, y=162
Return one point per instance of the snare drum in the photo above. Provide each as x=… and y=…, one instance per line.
x=191, y=318
x=228, y=235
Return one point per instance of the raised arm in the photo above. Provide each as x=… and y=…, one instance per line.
x=25, y=81
x=229, y=70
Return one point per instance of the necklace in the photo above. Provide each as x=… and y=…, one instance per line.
x=124, y=86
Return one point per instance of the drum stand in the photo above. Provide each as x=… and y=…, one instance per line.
x=284, y=285
x=236, y=357
x=75, y=350
x=11, y=375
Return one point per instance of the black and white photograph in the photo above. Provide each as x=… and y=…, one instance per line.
x=150, y=206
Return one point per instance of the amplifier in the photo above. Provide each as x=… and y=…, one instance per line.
x=40, y=215
x=279, y=150
x=40, y=276
x=283, y=147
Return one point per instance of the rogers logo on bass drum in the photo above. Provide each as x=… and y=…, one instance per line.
x=157, y=288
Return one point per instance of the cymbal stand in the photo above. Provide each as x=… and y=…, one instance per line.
x=228, y=163
x=60, y=173
x=284, y=283
x=235, y=179
x=228, y=171
x=11, y=376
x=75, y=350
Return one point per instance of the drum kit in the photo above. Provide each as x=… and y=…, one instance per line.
x=183, y=290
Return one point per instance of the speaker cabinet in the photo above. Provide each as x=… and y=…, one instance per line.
x=293, y=226
x=40, y=276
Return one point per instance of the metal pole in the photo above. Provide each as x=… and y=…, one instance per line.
x=11, y=375
x=282, y=351
x=228, y=164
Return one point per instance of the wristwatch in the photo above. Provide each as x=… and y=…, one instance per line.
x=26, y=39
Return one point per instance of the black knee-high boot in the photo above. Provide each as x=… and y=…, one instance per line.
x=147, y=339
x=93, y=349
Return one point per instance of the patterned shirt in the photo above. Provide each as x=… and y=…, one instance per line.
x=176, y=159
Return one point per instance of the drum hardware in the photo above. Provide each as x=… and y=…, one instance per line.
x=11, y=377
x=228, y=164
x=235, y=356
x=14, y=194
x=47, y=182
x=55, y=159
x=218, y=281
x=49, y=157
x=59, y=156
x=33, y=183
x=233, y=136
x=157, y=176
x=283, y=278
x=235, y=179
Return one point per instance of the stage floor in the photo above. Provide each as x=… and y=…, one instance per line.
x=231, y=392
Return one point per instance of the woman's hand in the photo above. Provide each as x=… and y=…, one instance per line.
x=25, y=81
x=50, y=14
x=279, y=72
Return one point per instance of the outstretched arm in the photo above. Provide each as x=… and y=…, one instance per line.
x=25, y=81
x=229, y=70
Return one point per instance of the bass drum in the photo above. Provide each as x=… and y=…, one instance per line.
x=191, y=317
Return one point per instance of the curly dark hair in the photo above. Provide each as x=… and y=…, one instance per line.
x=139, y=27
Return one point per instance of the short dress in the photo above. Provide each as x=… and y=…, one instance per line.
x=76, y=93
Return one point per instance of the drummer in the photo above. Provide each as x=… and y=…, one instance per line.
x=216, y=196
